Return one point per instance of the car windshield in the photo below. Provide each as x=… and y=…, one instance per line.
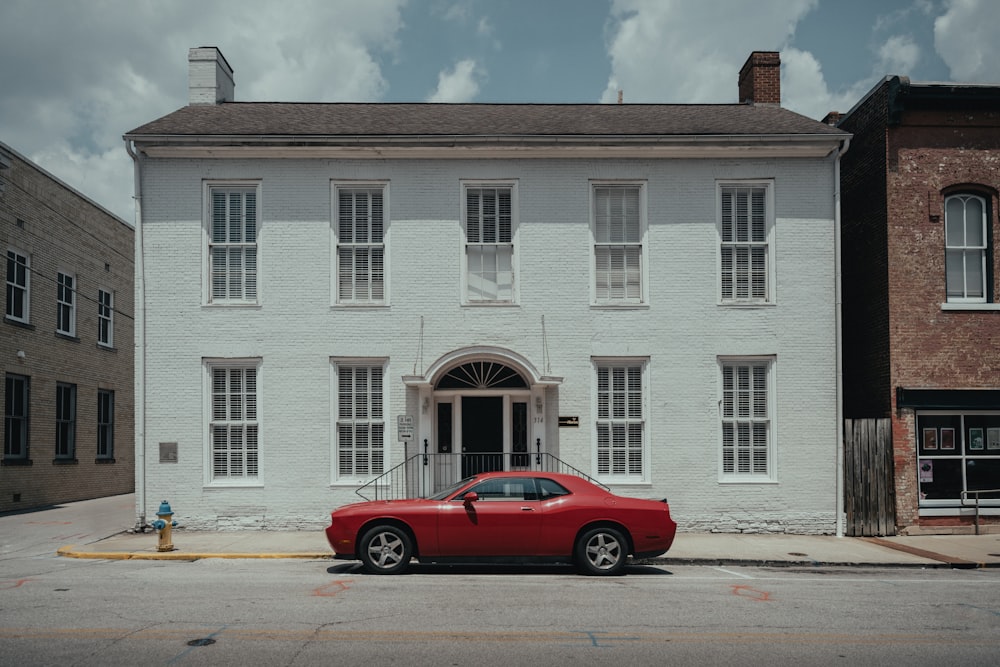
x=441, y=495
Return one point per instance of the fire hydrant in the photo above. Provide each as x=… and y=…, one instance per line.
x=164, y=525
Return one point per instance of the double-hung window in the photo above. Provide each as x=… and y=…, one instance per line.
x=105, y=424
x=489, y=243
x=747, y=432
x=360, y=225
x=65, y=422
x=18, y=286
x=746, y=254
x=66, y=304
x=621, y=426
x=105, y=318
x=360, y=419
x=619, y=230
x=233, y=226
x=967, y=258
x=234, y=425
x=15, y=418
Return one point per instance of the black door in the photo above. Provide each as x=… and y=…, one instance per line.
x=482, y=434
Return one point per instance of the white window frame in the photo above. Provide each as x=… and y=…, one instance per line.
x=964, y=248
x=248, y=279
x=373, y=417
x=249, y=419
x=471, y=241
x=606, y=421
x=729, y=472
x=66, y=413
x=105, y=424
x=13, y=257
x=16, y=420
x=359, y=294
x=66, y=289
x=729, y=296
x=105, y=317
x=602, y=274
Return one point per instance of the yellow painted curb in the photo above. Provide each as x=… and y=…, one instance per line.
x=67, y=552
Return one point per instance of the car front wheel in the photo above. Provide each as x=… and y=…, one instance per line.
x=385, y=550
x=601, y=551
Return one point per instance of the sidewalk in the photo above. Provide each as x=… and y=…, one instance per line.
x=97, y=529
x=928, y=551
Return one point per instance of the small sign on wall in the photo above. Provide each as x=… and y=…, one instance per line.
x=404, y=428
x=569, y=421
x=168, y=452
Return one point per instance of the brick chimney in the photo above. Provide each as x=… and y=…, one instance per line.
x=760, y=79
x=210, y=78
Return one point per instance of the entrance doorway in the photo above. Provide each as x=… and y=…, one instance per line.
x=482, y=434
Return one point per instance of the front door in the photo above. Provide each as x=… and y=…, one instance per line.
x=482, y=434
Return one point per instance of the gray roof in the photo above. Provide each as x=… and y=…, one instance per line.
x=332, y=120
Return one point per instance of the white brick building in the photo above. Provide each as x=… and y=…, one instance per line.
x=647, y=292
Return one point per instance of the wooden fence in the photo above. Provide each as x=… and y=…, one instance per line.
x=869, y=489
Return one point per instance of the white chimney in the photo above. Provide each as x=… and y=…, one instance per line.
x=210, y=78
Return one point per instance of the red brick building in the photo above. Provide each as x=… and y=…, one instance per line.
x=66, y=342
x=921, y=293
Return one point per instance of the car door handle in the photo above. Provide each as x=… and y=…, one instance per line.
x=527, y=509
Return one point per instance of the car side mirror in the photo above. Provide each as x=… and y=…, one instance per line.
x=470, y=497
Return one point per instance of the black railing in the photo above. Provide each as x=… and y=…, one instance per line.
x=423, y=475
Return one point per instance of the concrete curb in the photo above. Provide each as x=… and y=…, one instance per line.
x=68, y=552
x=943, y=561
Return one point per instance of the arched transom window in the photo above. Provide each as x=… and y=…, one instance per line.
x=482, y=375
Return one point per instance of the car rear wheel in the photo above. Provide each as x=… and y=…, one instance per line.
x=601, y=551
x=385, y=550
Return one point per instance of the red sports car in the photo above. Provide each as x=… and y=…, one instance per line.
x=535, y=516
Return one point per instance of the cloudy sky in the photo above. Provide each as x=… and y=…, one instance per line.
x=75, y=75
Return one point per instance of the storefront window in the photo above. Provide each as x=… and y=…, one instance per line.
x=956, y=453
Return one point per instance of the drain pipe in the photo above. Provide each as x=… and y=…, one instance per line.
x=839, y=319
x=140, y=346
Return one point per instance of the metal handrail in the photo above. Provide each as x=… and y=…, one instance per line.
x=965, y=496
x=409, y=478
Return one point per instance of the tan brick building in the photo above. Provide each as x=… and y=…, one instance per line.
x=66, y=342
x=921, y=294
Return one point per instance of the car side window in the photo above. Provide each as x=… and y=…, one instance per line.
x=505, y=488
x=549, y=489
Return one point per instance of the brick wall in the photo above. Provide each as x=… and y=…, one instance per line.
x=60, y=230
x=896, y=333
x=864, y=262
x=681, y=331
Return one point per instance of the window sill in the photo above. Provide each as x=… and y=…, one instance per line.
x=491, y=304
x=747, y=480
x=107, y=348
x=746, y=305
x=957, y=510
x=106, y=461
x=234, y=304
x=360, y=306
x=619, y=306
x=19, y=323
x=67, y=336
x=619, y=484
x=971, y=306
x=16, y=462
x=225, y=486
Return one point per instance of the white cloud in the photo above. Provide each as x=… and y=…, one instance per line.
x=804, y=88
x=966, y=39
x=898, y=55
x=675, y=51
x=459, y=84
x=72, y=87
